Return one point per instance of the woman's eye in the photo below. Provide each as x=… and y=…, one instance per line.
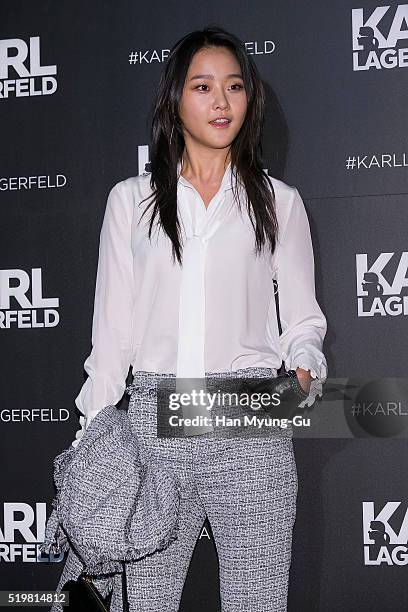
x=238, y=86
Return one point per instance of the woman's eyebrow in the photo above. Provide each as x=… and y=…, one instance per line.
x=211, y=76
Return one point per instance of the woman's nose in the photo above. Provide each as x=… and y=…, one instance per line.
x=221, y=101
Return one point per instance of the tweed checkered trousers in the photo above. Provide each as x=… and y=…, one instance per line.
x=246, y=486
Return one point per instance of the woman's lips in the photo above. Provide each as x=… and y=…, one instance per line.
x=222, y=125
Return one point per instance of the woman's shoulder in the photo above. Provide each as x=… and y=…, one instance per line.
x=286, y=197
x=128, y=193
x=137, y=186
x=284, y=192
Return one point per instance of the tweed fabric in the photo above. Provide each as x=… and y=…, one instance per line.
x=247, y=486
x=110, y=506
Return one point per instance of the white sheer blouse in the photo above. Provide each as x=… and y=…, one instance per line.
x=217, y=312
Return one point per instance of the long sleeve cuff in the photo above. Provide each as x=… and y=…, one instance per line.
x=84, y=422
x=315, y=362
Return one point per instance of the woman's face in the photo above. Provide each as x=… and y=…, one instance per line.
x=213, y=88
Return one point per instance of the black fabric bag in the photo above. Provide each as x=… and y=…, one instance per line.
x=85, y=597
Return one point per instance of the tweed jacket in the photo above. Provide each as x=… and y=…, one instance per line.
x=111, y=507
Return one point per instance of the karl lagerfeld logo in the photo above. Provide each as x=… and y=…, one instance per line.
x=380, y=38
x=33, y=79
x=22, y=530
x=376, y=294
x=385, y=533
x=37, y=312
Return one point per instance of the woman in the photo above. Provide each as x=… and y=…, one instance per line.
x=187, y=291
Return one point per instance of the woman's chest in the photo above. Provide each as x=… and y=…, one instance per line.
x=224, y=244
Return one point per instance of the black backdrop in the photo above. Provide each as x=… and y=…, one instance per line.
x=344, y=102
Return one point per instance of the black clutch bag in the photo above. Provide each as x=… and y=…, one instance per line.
x=287, y=386
x=85, y=597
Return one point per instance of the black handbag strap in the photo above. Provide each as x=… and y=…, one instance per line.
x=125, y=601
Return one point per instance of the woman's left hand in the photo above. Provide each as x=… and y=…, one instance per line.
x=304, y=378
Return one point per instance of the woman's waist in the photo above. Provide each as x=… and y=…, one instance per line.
x=145, y=380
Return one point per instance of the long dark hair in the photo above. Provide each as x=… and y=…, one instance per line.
x=167, y=141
